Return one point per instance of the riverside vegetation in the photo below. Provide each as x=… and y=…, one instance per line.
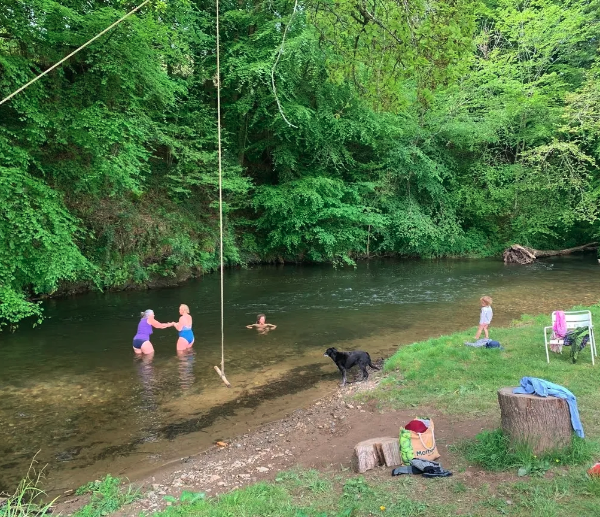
x=444, y=374
x=422, y=128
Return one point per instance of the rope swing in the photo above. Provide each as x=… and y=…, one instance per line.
x=73, y=53
x=221, y=371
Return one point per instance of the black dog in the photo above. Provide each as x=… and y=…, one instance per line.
x=346, y=360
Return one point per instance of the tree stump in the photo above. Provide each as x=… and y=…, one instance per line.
x=375, y=452
x=544, y=423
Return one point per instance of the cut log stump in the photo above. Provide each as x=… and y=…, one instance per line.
x=544, y=423
x=376, y=452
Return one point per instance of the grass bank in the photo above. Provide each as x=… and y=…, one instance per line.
x=461, y=380
x=312, y=494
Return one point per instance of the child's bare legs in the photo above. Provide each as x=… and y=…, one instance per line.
x=484, y=328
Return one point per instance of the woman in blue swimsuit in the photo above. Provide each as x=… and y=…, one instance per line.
x=184, y=326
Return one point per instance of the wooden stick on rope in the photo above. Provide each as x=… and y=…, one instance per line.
x=74, y=52
x=220, y=372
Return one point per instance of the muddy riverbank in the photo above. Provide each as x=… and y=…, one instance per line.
x=321, y=436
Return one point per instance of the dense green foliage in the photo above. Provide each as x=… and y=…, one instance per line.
x=444, y=127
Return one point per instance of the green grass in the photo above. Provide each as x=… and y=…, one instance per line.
x=107, y=496
x=493, y=451
x=26, y=500
x=445, y=374
x=568, y=492
x=311, y=494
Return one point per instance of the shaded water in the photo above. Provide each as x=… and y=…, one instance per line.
x=73, y=389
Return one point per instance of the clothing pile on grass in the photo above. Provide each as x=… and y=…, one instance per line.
x=425, y=468
x=576, y=338
x=487, y=343
x=418, y=450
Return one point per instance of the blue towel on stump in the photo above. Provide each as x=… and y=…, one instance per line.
x=544, y=388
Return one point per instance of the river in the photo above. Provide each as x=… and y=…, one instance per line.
x=73, y=390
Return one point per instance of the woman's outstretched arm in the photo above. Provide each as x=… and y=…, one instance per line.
x=157, y=324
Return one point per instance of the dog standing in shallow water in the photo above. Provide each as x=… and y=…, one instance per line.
x=346, y=360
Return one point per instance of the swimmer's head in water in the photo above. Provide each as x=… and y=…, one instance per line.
x=147, y=313
x=184, y=309
x=260, y=319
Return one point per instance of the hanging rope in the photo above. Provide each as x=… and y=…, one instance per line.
x=221, y=372
x=275, y=66
x=73, y=53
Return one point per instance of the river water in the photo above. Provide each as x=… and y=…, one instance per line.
x=73, y=390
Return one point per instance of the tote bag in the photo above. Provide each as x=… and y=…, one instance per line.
x=419, y=446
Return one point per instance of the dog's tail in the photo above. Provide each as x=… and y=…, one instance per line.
x=371, y=364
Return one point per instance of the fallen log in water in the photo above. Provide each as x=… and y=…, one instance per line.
x=518, y=254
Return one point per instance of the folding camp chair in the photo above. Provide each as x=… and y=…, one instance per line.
x=574, y=319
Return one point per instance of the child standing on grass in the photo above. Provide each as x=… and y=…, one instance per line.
x=486, y=316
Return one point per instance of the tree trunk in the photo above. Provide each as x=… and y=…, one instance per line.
x=544, y=423
x=518, y=254
x=375, y=452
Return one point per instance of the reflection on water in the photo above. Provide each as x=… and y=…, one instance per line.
x=72, y=388
x=186, y=368
x=147, y=381
x=147, y=409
